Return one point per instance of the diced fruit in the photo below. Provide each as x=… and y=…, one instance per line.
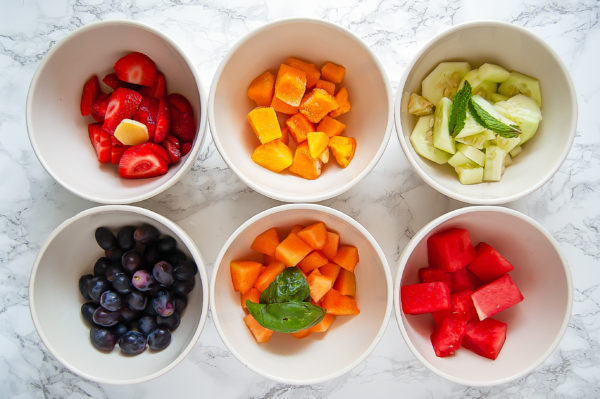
x=329, y=87
x=136, y=68
x=171, y=144
x=100, y=141
x=317, y=143
x=304, y=165
x=296, y=228
x=163, y=121
x=343, y=149
x=318, y=284
x=274, y=155
x=477, y=140
x=265, y=124
x=317, y=104
x=290, y=85
x=494, y=163
x=343, y=102
x=496, y=296
x=460, y=160
x=338, y=304
x=299, y=127
x=186, y=147
x=422, y=141
x=244, y=274
x=418, y=105
x=425, y=297
x=89, y=94
x=330, y=249
x=143, y=161
x=182, y=117
x=116, y=151
x=443, y=81
x=333, y=72
x=130, y=132
x=430, y=275
x=447, y=336
x=463, y=279
x=315, y=235
x=524, y=112
x=520, y=83
x=99, y=107
x=493, y=73
x=312, y=261
x=283, y=107
x=347, y=257
x=261, y=89
x=472, y=153
x=488, y=264
x=345, y=283
x=461, y=306
x=331, y=271
x=266, y=242
x=301, y=334
x=112, y=81
x=268, y=275
x=311, y=70
x=330, y=126
x=252, y=294
x=158, y=90
x=285, y=135
x=147, y=114
x=122, y=105
x=469, y=175
x=261, y=334
x=324, y=324
x=441, y=134
x=485, y=338
x=292, y=250
x=450, y=249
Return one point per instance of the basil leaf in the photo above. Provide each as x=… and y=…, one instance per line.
x=286, y=317
x=459, y=109
x=289, y=286
x=486, y=120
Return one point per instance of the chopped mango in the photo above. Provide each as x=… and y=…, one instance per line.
x=130, y=132
x=347, y=257
x=244, y=274
x=299, y=126
x=312, y=261
x=266, y=242
x=331, y=126
x=285, y=135
x=304, y=165
x=314, y=235
x=292, y=250
x=312, y=72
x=345, y=283
x=324, y=157
x=261, y=334
x=318, y=285
x=268, y=275
x=252, y=294
x=282, y=107
x=274, y=155
x=290, y=85
x=341, y=98
x=265, y=124
x=329, y=87
x=324, y=324
x=330, y=249
x=333, y=72
x=261, y=89
x=343, y=149
x=317, y=104
x=317, y=143
x=338, y=304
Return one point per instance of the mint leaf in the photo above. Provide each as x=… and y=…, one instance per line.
x=486, y=120
x=459, y=109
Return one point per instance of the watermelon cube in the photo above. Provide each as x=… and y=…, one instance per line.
x=461, y=306
x=485, y=338
x=450, y=249
x=448, y=335
x=463, y=280
x=425, y=297
x=488, y=264
x=496, y=296
x=430, y=275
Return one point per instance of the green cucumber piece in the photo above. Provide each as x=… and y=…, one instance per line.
x=507, y=160
x=421, y=139
x=477, y=140
x=507, y=144
x=495, y=97
x=441, y=134
x=493, y=73
x=460, y=159
x=474, y=80
x=471, y=127
x=472, y=153
x=523, y=111
x=469, y=175
x=516, y=151
x=486, y=89
x=494, y=163
x=519, y=83
x=489, y=108
x=443, y=80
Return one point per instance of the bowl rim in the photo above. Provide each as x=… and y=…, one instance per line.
x=420, y=235
x=290, y=197
x=571, y=95
x=181, y=234
x=312, y=207
x=202, y=118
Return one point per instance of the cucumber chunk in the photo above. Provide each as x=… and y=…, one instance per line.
x=467, y=175
x=489, y=108
x=495, y=97
x=460, y=159
x=493, y=73
x=507, y=144
x=477, y=140
x=486, y=89
x=421, y=139
x=443, y=80
x=519, y=83
x=441, y=133
x=516, y=151
x=471, y=127
x=419, y=106
x=472, y=153
x=474, y=80
x=494, y=163
x=523, y=111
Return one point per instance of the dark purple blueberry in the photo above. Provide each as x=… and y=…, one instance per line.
x=171, y=322
x=132, y=343
x=149, y=309
x=166, y=244
x=136, y=300
x=146, y=234
x=105, y=318
x=114, y=254
x=105, y=238
x=87, y=311
x=83, y=285
x=125, y=238
x=159, y=339
x=122, y=283
x=110, y=300
x=129, y=315
x=96, y=287
x=163, y=304
x=150, y=256
x=146, y=324
x=103, y=338
x=120, y=329
x=142, y=280
x=163, y=273
x=180, y=303
x=186, y=271
x=100, y=267
x=131, y=261
x=113, y=270
x=176, y=258
x=183, y=287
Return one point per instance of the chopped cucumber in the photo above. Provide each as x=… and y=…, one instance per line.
x=519, y=83
x=477, y=140
x=460, y=159
x=516, y=151
x=421, y=139
x=486, y=89
x=418, y=105
x=443, y=80
x=471, y=127
x=507, y=144
x=495, y=97
x=472, y=153
x=494, y=163
x=489, y=108
x=507, y=160
x=493, y=73
x=467, y=175
x=474, y=80
x=524, y=112
x=441, y=134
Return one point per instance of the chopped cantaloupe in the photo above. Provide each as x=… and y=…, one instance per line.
x=312, y=72
x=329, y=87
x=345, y=283
x=261, y=89
x=304, y=165
x=343, y=149
x=301, y=334
x=244, y=274
x=324, y=324
x=268, y=275
x=267, y=260
x=292, y=250
x=274, y=155
x=290, y=85
x=265, y=124
x=299, y=126
x=333, y=72
x=312, y=261
x=317, y=143
x=266, y=242
x=317, y=104
x=332, y=243
x=330, y=270
x=261, y=334
x=344, y=105
x=347, y=257
x=285, y=135
x=297, y=228
x=314, y=235
x=331, y=126
x=282, y=107
x=318, y=284
x=338, y=304
x=252, y=294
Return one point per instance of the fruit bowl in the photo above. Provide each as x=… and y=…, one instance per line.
x=58, y=132
x=55, y=301
x=535, y=326
x=318, y=357
x=369, y=121
x=513, y=48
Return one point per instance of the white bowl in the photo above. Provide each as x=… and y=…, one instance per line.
x=318, y=357
x=58, y=132
x=317, y=41
x=516, y=49
x=54, y=299
x=535, y=326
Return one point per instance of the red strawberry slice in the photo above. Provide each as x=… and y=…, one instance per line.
x=104, y=148
x=117, y=149
x=163, y=121
x=182, y=117
x=91, y=91
x=172, y=146
x=159, y=90
x=147, y=114
x=143, y=161
x=122, y=104
x=186, y=147
x=136, y=68
x=99, y=107
x=94, y=130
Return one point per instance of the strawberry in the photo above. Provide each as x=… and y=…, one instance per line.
x=136, y=68
x=142, y=161
x=159, y=90
x=100, y=141
x=186, y=147
x=94, y=133
x=91, y=91
x=182, y=117
x=171, y=144
x=117, y=150
x=122, y=104
x=113, y=82
x=163, y=121
x=147, y=114
x=99, y=107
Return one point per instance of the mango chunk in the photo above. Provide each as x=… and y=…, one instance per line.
x=331, y=126
x=343, y=149
x=329, y=87
x=280, y=106
x=290, y=85
x=261, y=89
x=317, y=143
x=130, y=132
x=317, y=104
x=299, y=126
x=274, y=155
x=341, y=98
x=312, y=72
x=333, y=72
x=304, y=165
x=265, y=124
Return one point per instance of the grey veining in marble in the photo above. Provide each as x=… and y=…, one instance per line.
x=32, y=204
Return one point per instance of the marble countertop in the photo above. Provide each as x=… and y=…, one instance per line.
x=32, y=204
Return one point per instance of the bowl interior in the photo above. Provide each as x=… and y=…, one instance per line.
x=59, y=133
x=56, y=304
x=321, y=355
x=516, y=50
x=316, y=42
x=534, y=325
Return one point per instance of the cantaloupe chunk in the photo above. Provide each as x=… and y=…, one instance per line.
x=347, y=257
x=345, y=283
x=252, y=294
x=266, y=242
x=285, y=135
x=282, y=107
x=304, y=165
x=332, y=243
x=290, y=85
x=333, y=72
x=324, y=324
x=261, y=334
x=268, y=275
x=261, y=89
x=318, y=284
x=338, y=304
x=265, y=124
x=312, y=72
x=331, y=271
x=330, y=126
x=299, y=126
x=244, y=274
x=274, y=155
x=344, y=105
x=329, y=87
x=343, y=149
x=317, y=104
x=314, y=235
x=317, y=143
x=267, y=260
x=301, y=334
x=297, y=228
x=312, y=261
x=292, y=250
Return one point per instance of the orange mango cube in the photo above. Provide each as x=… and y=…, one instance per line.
x=244, y=274
x=261, y=89
x=345, y=283
x=314, y=235
x=338, y=304
x=318, y=284
x=252, y=294
x=312, y=261
x=317, y=104
x=265, y=124
x=261, y=334
x=290, y=85
x=331, y=271
x=282, y=107
x=330, y=249
x=285, y=135
x=333, y=72
x=343, y=149
x=329, y=87
x=296, y=228
x=274, y=155
x=266, y=242
x=347, y=257
x=304, y=165
x=343, y=102
x=317, y=143
x=312, y=72
x=268, y=275
x=324, y=324
x=331, y=126
x=292, y=250
x=299, y=126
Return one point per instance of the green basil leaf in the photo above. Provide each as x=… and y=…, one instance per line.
x=289, y=286
x=286, y=317
x=486, y=120
x=459, y=109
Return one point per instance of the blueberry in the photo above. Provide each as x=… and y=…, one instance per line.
x=176, y=258
x=103, y=338
x=136, y=300
x=131, y=261
x=163, y=304
x=114, y=254
x=129, y=315
x=149, y=309
x=142, y=280
x=120, y=329
x=166, y=244
x=159, y=339
x=110, y=300
x=96, y=287
x=100, y=267
x=185, y=271
x=171, y=322
x=105, y=238
x=163, y=273
x=122, y=283
x=183, y=287
x=146, y=234
x=105, y=317
x=150, y=256
x=125, y=238
x=112, y=271
x=132, y=343
x=146, y=324
x=180, y=303
x=83, y=285
x=87, y=311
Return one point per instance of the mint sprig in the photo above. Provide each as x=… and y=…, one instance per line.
x=486, y=120
x=459, y=109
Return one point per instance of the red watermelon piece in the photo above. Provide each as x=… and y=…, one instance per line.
x=496, y=296
x=425, y=297
x=448, y=335
x=450, y=249
x=463, y=280
x=485, y=337
x=461, y=306
x=488, y=264
x=430, y=275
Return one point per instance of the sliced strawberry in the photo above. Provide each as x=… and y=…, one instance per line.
x=91, y=91
x=104, y=148
x=182, y=117
x=172, y=146
x=161, y=152
x=136, y=68
x=147, y=114
x=159, y=90
x=122, y=104
x=94, y=130
x=186, y=147
x=117, y=150
x=163, y=121
x=142, y=161
x=99, y=107
x=113, y=82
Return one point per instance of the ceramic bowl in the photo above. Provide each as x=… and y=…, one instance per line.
x=320, y=356
x=58, y=132
x=515, y=49
x=54, y=299
x=369, y=121
x=535, y=325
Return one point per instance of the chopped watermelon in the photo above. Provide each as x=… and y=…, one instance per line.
x=488, y=264
x=461, y=306
x=450, y=249
x=485, y=338
x=463, y=280
x=430, y=275
x=425, y=297
x=496, y=296
x=448, y=335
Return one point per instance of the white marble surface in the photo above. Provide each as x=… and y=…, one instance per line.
x=210, y=202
